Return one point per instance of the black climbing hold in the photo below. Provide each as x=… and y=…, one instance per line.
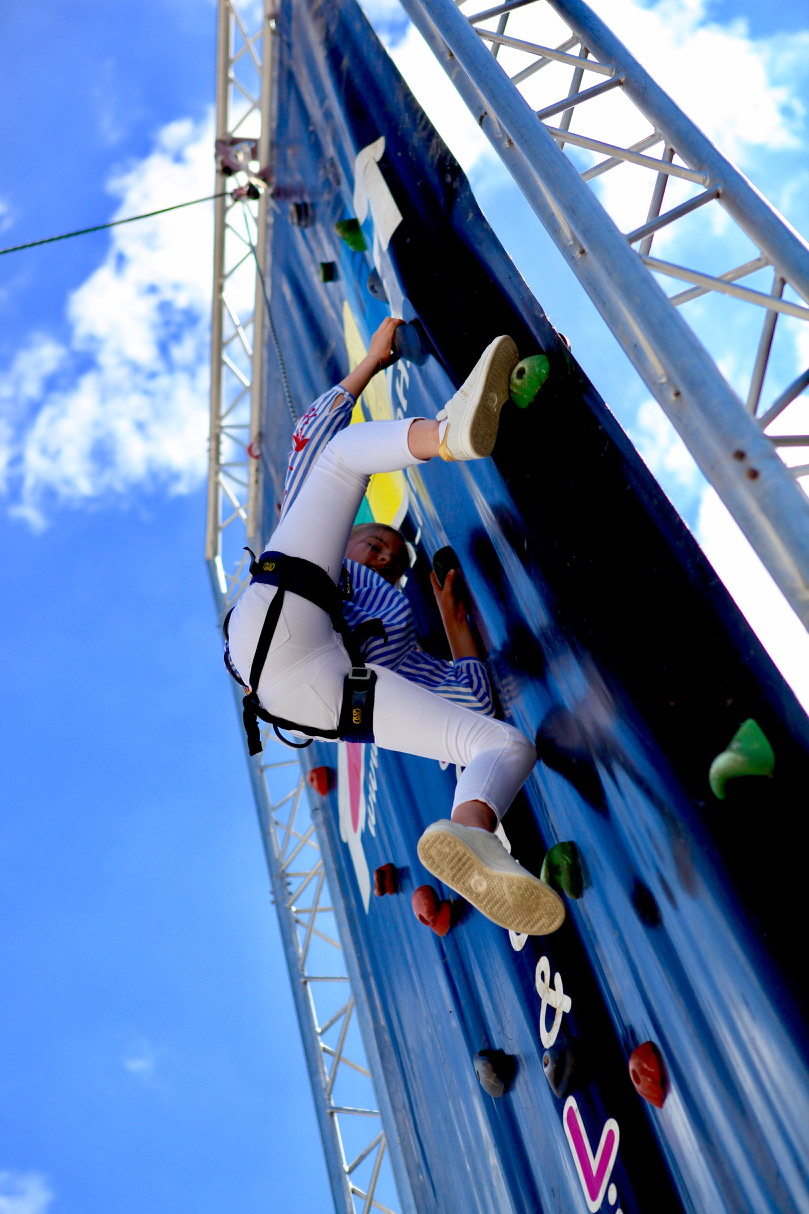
x=445, y=560
x=350, y=231
x=328, y=271
x=561, y=869
x=376, y=287
x=527, y=378
x=300, y=214
x=495, y=1071
x=563, y=745
x=410, y=343
x=559, y=1065
x=645, y=904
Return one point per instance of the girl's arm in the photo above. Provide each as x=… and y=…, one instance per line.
x=332, y=411
x=378, y=356
x=454, y=618
x=465, y=682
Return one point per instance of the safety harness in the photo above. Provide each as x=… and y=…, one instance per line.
x=313, y=583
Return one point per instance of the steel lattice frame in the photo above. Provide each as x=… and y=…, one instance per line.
x=733, y=442
x=292, y=840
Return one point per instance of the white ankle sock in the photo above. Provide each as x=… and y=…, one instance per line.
x=442, y=429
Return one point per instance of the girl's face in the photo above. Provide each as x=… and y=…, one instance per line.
x=379, y=550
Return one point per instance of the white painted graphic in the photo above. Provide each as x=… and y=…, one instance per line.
x=556, y=998
x=594, y=1170
x=370, y=188
x=351, y=797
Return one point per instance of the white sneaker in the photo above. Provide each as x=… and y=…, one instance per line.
x=474, y=411
x=477, y=866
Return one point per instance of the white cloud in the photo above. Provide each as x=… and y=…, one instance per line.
x=760, y=600
x=439, y=99
x=24, y=1193
x=5, y=216
x=140, y=1060
x=663, y=451
x=126, y=403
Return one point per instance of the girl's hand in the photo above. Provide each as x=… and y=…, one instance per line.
x=454, y=618
x=378, y=356
x=382, y=341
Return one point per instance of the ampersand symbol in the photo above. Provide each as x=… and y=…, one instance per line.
x=556, y=998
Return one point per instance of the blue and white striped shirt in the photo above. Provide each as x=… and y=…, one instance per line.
x=465, y=681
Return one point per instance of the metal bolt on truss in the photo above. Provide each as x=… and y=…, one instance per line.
x=563, y=102
x=330, y=1013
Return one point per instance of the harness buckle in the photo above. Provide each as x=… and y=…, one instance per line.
x=360, y=674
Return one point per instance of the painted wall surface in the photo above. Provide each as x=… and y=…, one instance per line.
x=609, y=637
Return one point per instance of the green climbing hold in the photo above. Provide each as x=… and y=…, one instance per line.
x=748, y=754
x=527, y=378
x=561, y=869
x=350, y=231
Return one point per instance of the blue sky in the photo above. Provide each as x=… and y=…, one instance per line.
x=149, y=1052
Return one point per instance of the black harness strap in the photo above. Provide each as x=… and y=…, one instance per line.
x=314, y=584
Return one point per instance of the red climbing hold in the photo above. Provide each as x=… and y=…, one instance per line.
x=425, y=903
x=321, y=779
x=443, y=919
x=386, y=880
x=431, y=911
x=648, y=1074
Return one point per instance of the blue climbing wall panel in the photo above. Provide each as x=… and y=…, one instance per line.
x=610, y=639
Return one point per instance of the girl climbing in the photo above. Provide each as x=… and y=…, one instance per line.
x=324, y=643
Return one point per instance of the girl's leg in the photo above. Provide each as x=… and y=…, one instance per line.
x=317, y=525
x=497, y=758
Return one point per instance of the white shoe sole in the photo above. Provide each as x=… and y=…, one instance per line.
x=475, y=435
x=515, y=900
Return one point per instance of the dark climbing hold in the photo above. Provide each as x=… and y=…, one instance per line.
x=444, y=560
x=561, y=869
x=350, y=231
x=648, y=1074
x=559, y=1065
x=748, y=754
x=321, y=779
x=328, y=271
x=563, y=745
x=377, y=288
x=645, y=904
x=386, y=880
x=495, y=1071
x=300, y=214
x=527, y=378
x=410, y=343
x=431, y=911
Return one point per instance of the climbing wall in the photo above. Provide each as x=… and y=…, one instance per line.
x=658, y=1040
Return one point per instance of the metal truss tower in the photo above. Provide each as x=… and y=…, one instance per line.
x=543, y=132
x=328, y=996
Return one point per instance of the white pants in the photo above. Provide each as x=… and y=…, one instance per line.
x=303, y=675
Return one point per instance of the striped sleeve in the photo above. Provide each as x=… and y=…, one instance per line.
x=465, y=682
x=329, y=414
x=374, y=598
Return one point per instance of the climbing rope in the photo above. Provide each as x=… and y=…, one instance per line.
x=284, y=378
x=99, y=227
